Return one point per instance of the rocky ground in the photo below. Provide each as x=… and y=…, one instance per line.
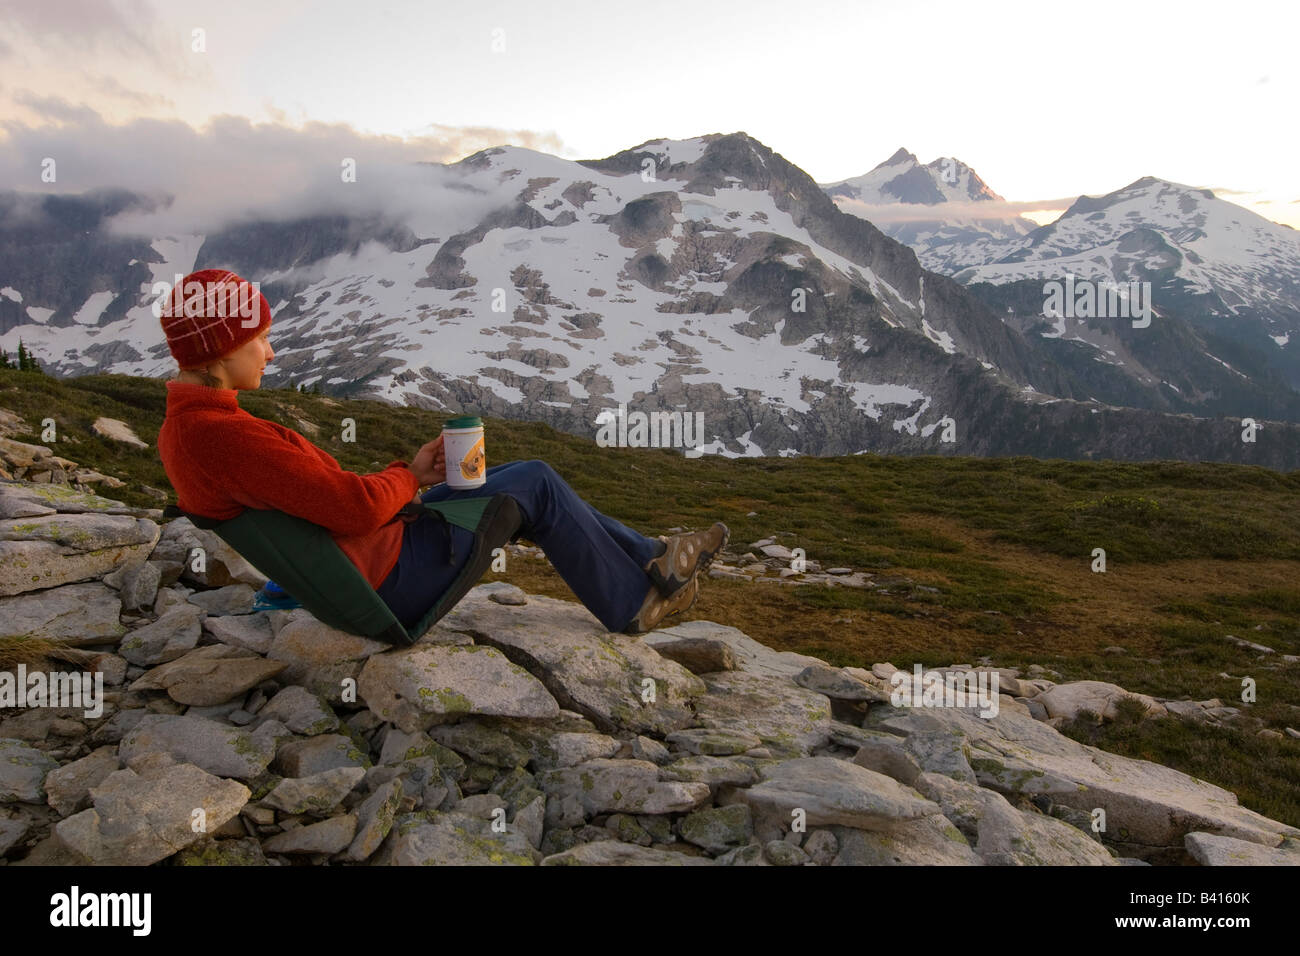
x=518, y=731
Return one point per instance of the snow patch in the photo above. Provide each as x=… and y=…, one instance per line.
x=93, y=308
x=179, y=254
x=869, y=398
x=943, y=339
x=909, y=424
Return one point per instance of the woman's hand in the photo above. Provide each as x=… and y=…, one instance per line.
x=430, y=463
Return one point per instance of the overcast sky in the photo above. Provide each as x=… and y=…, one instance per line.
x=1046, y=101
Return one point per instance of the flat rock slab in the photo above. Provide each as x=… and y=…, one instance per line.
x=44, y=551
x=218, y=748
x=605, y=785
x=613, y=679
x=312, y=755
x=318, y=793
x=925, y=841
x=417, y=687
x=507, y=594
x=68, y=788
x=301, y=711
x=788, y=719
x=210, y=675
x=434, y=838
x=249, y=631
x=1211, y=849
x=1146, y=804
x=117, y=430
x=837, y=683
x=570, y=749
x=75, y=614
x=22, y=772
x=328, y=836
x=231, y=600
x=1066, y=700
x=139, y=819
x=22, y=499
x=711, y=770
x=169, y=637
x=831, y=791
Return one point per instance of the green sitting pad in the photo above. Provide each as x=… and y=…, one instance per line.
x=305, y=561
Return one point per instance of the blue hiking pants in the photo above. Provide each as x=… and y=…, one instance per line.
x=601, y=560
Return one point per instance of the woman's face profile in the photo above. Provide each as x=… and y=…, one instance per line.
x=243, y=367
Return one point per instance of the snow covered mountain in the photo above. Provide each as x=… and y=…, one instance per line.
x=950, y=238
x=1224, y=282
x=1221, y=267
x=705, y=275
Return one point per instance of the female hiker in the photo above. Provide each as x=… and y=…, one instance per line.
x=222, y=460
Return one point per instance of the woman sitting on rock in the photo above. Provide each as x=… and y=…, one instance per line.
x=222, y=460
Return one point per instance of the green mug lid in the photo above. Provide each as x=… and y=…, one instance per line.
x=464, y=421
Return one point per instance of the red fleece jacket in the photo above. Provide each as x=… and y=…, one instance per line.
x=221, y=460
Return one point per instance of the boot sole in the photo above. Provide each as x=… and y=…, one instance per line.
x=681, y=610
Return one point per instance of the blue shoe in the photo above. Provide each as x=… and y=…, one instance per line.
x=272, y=597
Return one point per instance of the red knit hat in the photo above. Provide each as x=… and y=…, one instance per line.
x=210, y=314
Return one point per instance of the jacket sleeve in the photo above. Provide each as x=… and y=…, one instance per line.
x=263, y=469
x=330, y=461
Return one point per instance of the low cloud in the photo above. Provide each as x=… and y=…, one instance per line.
x=233, y=171
x=913, y=212
x=54, y=107
x=111, y=86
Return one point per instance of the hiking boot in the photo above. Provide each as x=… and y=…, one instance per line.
x=657, y=607
x=686, y=556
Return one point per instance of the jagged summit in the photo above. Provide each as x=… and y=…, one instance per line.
x=903, y=178
x=901, y=156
